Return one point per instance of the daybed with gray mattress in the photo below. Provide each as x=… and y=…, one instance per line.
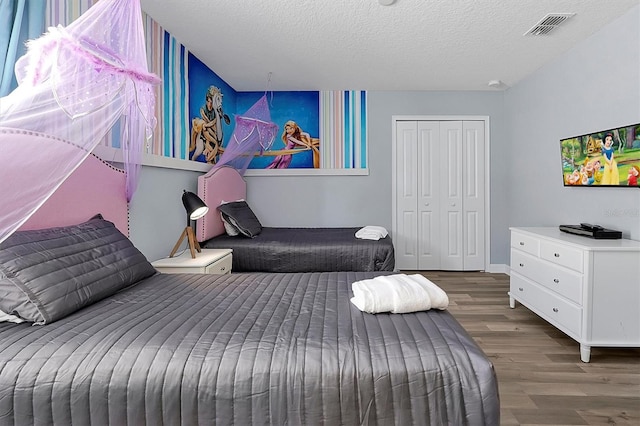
x=306, y=250
x=282, y=249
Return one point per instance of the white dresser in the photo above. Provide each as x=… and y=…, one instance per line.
x=208, y=261
x=587, y=288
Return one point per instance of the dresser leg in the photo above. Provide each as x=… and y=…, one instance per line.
x=512, y=302
x=585, y=353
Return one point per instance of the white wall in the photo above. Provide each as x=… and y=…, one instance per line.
x=384, y=105
x=594, y=86
x=156, y=214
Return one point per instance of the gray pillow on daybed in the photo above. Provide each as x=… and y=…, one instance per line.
x=47, y=274
x=240, y=216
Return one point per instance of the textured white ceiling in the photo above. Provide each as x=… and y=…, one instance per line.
x=361, y=45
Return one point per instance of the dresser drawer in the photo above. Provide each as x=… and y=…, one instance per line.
x=220, y=267
x=562, y=255
x=525, y=243
x=562, y=281
x=556, y=278
x=525, y=264
x=551, y=307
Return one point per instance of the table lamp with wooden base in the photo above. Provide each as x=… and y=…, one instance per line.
x=196, y=208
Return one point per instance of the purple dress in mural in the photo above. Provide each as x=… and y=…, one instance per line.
x=292, y=136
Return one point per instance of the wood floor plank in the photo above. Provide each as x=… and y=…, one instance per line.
x=541, y=378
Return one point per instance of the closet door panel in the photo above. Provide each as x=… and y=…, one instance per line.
x=406, y=236
x=451, y=198
x=472, y=230
x=428, y=178
x=473, y=170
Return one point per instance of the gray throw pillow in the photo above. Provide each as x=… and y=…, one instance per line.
x=240, y=215
x=47, y=274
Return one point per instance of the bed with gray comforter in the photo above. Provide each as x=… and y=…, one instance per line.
x=263, y=348
x=307, y=250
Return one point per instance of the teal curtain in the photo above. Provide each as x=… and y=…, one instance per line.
x=20, y=20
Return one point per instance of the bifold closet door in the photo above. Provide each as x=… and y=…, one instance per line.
x=439, y=195
x=417, y=193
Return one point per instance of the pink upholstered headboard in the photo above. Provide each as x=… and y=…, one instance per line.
x=218, y=185
x=94, y=187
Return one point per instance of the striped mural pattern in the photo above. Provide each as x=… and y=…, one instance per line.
x=343, y=114
x=60, y=12
x=155, y=60
x=168, y=59
x=343, y=129
x=63, y=12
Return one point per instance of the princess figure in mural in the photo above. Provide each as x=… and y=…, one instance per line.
x=610, y=175
x=293, y=137
x=206, y=133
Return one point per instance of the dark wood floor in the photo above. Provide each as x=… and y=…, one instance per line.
x=541, y=378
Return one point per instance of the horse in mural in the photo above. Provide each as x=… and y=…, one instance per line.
x=207, y=133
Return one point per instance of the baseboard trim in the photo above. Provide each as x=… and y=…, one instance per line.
x=498, y=268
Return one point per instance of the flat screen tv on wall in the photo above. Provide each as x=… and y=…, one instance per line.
x=608, y=158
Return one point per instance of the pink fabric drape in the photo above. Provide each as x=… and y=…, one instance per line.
x=253, y=134
x=75, y=83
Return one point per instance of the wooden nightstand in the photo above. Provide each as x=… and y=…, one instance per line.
x=209, y=261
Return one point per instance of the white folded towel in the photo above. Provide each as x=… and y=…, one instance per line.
x=399, y=293
x=4, y=317
x=371, y=232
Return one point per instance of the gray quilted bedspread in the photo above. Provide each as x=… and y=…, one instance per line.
x=307, y=250
x=280, y=349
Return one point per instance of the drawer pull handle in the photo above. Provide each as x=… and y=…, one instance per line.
x=556, y=254
x=521, y=243
x=555, y=280
x=520, y=289
x=555, y=310
x=522, y=265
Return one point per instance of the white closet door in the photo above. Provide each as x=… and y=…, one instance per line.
x=429, y=237
x=406, y=218
x=439, y=193
x=473, y=188
x=451, y=241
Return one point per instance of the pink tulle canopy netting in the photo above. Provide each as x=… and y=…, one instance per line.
x=254, y=133
x=75, y=83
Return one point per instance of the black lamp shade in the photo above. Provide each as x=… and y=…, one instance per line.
x=196, y=208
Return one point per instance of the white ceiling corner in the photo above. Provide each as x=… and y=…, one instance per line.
x=363, y=45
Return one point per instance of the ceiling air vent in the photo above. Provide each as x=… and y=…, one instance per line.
x=548, y=24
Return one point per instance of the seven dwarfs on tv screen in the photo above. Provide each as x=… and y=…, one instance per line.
x=606, y=158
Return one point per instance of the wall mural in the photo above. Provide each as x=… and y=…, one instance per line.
x=196, y=110
x=297, y=116
x=317, y=129
x=211, y=109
